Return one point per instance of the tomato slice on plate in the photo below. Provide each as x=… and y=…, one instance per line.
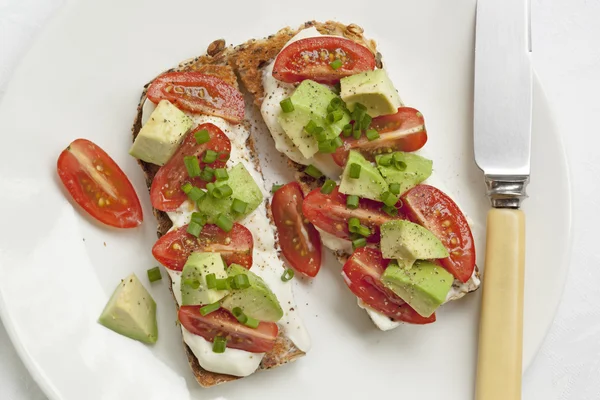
x=362, y=273
x=98, y=185
x=330, y=213
x=434, y=210
x=173, y=249
x=222, y=323
x=199, y=93
x=311, y=58
x=300, y=241
x=165, y=192
x=403, y=131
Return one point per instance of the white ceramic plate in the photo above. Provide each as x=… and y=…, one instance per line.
x=57, y=267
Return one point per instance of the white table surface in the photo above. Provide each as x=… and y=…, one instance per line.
x=566, y=42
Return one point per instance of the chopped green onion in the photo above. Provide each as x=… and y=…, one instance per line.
x=154, y=274
x=238, y=313
x=310, y=127
x=211, y=281
x=287, y=275
x=224, y=222
x=389, y=199
x=221, y=174
x=222, y=284
x=238, y=206
x=335, y=116
x=360, y=242
x=207, y=174
x=210, y=156
x=352, y=201
x=372, y=134
x=286, y=105
x=356, y=131
x=241, y=281
x=337, y=142
x=275, y=187
x=313, y=171
x=222, y=192
x=187, y=187
x=353, y=224
x=358, y=113
x=196, y=194
x=198, y=218
x=363, y=231
x=385, y=160
x=390, y=210
x=204, y=311
x=327, y=147
x=219, y=344
x=192, y=165
x=336, y=103
x=202, y=136
x=398, y=161
x=210, y=188
x=336, y=64
x=395, y=188
x=319, y=134
x=347, y=130
x=355, y=170
x=365, y=121
x=194, y=228
x=251, y=322
x=193, y=283
x=328, y=186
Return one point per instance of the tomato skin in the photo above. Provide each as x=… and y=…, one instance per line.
x=329, y=213
x=222, y=323
x=199, y=93
x=165, y=192
x=291, y=64
x=362, y=273
x=173, y=249
x=286, y=208
x=432, y=208
x=403, y=131
x=77, y=166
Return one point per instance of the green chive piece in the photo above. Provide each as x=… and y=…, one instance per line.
x=389, y=199
x=275, y=187
x=363, y=231
x=360, y=242
x=353, y=224
x=221, y=174
x=219, y=344
x=385, y=160
x=335, y=116
x=288, y=274
x=194, y=228
x=337, y=142
x=310, y=127
x=365, y=121
x=202, y=136
x=328, y=186
x=222, y=284
x=336, y=103
x=193, y=283
x=359, y=112
x=395, y=188
x=372, y=134
x=327, y=147
x=192, y=165
x=347, y=130
x=286, y=105
x=355, y=170
x=224, y=222
x=251, y=322
x=187, y=187
x=198, y=218
x=222, y=192
x=352, y=202
x=210, y=188
x=231, y=283
x=196, y=194
x=238, y=206
x=211, y=281
x=398, y=161
x=336, y=64
x=154, y=274
x=319, y=134
x=390, y=210
x=241, y=281
x=207, y=174
x=356, y=131
x=313, y=171
x=238, y=313
x=210, y=156
x=204, y=311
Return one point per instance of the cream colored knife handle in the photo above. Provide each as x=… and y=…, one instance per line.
x=499, y=365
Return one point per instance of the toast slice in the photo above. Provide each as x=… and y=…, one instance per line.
x=214, y=62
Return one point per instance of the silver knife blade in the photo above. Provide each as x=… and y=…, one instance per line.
x=502, y=109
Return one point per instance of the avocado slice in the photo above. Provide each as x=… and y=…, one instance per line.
x=310, y=100
x=244, y=188
x=407, y=240
x=193, y=279
x=417, y=170
x=372, y=89
x=161, y=135
x=257, y=301
x=370, y=184
x=131, y=311
x=424, y=286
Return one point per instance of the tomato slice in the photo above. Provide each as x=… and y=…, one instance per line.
x=222, y=323
x=403, y=131
x=300, y=241
x=330, y=213
x=199, y=93
x=434, y=210
x=362, y=273
x=173, y=249
x=310, y=58
x=98, y=185
x=165, y=192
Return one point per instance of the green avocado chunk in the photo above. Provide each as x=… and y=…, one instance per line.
x=244, y=188
x=131, y=311
x=257, y=300
x=370, y=184
x=373, y=89
x=194, y=290
x=424, y=286
x=407, y=240
x=310, y=100
x=417, y=170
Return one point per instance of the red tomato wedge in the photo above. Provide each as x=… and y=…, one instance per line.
x=165, y=192
x=98, y=185
x=222, y=323
x=173, y=249
x=434, y=210
x=330, y=213
x=403, y=131
x=199, y=93
x=362, y=273
x=300, y=241
x=311, y=58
